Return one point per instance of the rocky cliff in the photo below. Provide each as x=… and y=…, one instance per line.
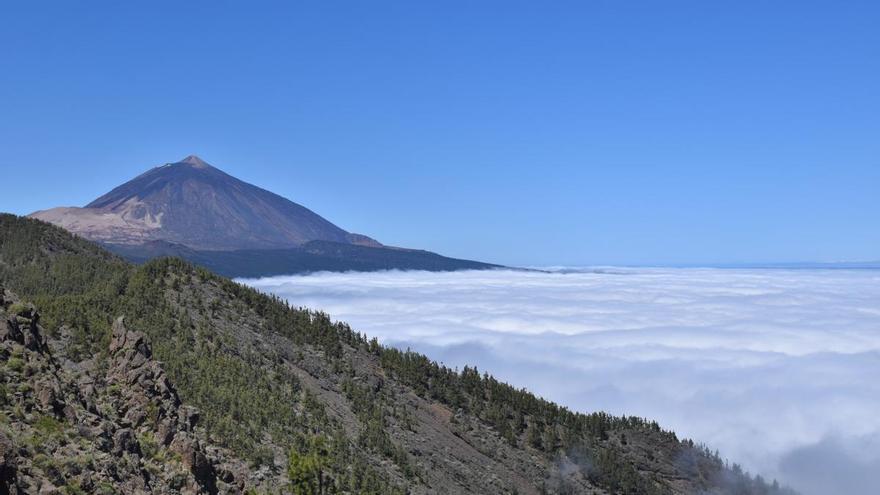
x=110, y=425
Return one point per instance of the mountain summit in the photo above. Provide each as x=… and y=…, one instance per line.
x=195, y=161
x=199, y=206
x=193, y=210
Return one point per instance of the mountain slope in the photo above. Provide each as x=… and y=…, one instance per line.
x=193, y=210
x=192, y=203
x=316, y=407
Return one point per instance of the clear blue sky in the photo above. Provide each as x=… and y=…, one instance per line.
x=518, y=132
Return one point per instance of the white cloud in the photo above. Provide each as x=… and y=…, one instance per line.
x=778, y=369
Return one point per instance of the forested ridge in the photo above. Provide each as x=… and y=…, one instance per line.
x=313, y=406
x=313, y=256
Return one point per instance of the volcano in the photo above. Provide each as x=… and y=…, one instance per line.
x=196, y=211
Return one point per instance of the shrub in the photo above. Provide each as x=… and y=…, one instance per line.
x=15, y=364
x=73, y=489
x=105, y=488
x=49, y=427
x=148, y=444
x=19, y=309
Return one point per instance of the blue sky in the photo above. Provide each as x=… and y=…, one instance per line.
x=600, y=132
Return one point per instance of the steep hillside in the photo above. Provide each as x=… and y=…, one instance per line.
x=311, y=405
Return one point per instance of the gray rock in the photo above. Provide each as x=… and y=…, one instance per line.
x=48, y=488
x=8, y=464
x=124, y=440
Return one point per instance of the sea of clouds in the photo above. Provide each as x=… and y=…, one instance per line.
x=777, y=369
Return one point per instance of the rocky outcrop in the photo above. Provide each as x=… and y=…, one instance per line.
x=151, y=406
x=115, y=426
x=21, y=323
x=8, y=465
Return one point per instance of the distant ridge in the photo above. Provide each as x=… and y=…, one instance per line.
x=314, y=256
x=194, y=210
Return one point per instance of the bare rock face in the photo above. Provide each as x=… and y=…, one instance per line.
x=8, y=465
x=124, y=442
x=102, y=226
x=21, y=325
x=195, y=459
x=129, y=343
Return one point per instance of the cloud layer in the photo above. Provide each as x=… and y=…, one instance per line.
x=778, y=369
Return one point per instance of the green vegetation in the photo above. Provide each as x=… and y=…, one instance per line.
x=306, y=469
x=19, y=309
x=241, y=397
x=148, y=445
x=48, y=426
x=314, y=256
x=15, y=364
x=245, y=396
